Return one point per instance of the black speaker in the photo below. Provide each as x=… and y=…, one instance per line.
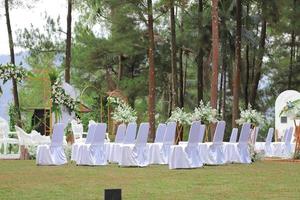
x=112, y=194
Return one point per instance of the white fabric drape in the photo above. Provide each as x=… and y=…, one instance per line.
x=160, y=133
x=159, y=152
x=129, y=138
x=188, y=156
x=239, y=152
x=136, y=154
x=89, y=138
x=52, y=154
x=94, y=153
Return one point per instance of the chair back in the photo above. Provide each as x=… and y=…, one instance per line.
x=245, y=133
x=143, y=133
x=270, y=135
x=58, y=134
x=120, y=133
x=77, y=129
x=24, y=138
x=255, y=134
x=99, y=134
x=219, y=132
x=286, y=132
x=194, y=134
x=90, y=134
x=233, y=136
x=169, y=137
x=289, y=135
x=130, y=133
x=160, y=133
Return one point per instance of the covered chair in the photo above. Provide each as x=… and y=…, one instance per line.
x=279, y=149
x=188, y=156
x=160, y=133
x=159, y=152
x=136, y=154
x=24, y=138
x=266, y=146
x=129, y=138
x=94, y=153
x=234, y=134
x=239, y=152
x=215, y=149
x=52, y=154
x=111, y=147
x=89, y=138
x=284, y=149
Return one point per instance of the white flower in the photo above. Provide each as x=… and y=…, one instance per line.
x=205, y=113
x=178, y=115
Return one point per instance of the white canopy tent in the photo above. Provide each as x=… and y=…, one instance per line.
x=283, y=122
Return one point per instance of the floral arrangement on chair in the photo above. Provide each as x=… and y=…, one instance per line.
x=250, y=116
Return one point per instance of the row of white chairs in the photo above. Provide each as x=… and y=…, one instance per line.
x=130, y=149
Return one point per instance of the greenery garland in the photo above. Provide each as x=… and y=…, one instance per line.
x=11, y=71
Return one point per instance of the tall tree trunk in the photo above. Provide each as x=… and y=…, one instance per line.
x=292, y=53
x=258, y=66
x=247, y=65
x=181, y=83
x=68, y=43
x=12, y=60
x=215, y=54
x=151, y=98
x=173, y=55
x=237, y=68
x=215, y=58
x=120, y=71
x=200, y=55
x=224, y=68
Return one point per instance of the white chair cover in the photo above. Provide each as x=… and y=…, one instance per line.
x=94, y=153
x=130, y=133
x=283, y=149
x=234, y=134
x=160, y=132
x=239, y=152
x=215, y=149
x=37, y=138
x=120, y=133
x=159, y=152
x=53, y=154
x=266, y=146
x=129, y=138
x=188, y=156
x=89, y=138
x=136, y=154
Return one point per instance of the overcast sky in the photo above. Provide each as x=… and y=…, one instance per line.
x=21, y=18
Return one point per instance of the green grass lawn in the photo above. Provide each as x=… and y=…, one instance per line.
x=262, y=180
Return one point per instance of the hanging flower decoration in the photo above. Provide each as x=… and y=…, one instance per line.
x=180, y=116
x=292, y=109
x=60, y=98
x=250, y=116
x=11, y=71
x=123, y=113
x=205, y=113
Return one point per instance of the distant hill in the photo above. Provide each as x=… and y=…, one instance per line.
x=7, y=96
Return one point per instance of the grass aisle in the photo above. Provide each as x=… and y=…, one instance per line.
x=262, y=180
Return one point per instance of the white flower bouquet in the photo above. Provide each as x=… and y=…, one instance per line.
x=124, y=113
x=178, y=115
x=11, y=71
x=250, y=116
x=59, y=97
x=205, y=113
